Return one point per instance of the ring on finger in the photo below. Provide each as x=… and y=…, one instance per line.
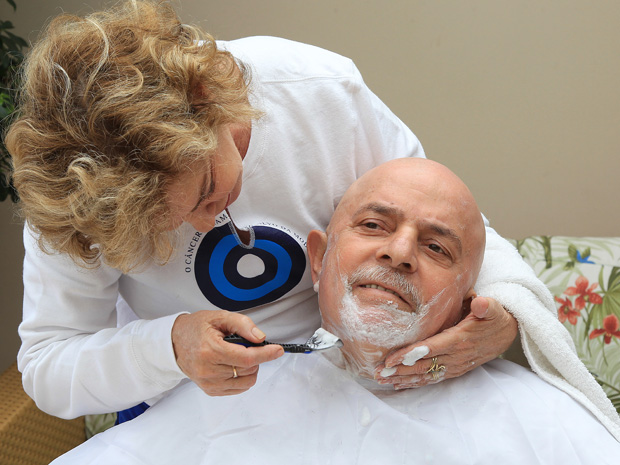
x=235, y=375
x=435, y=369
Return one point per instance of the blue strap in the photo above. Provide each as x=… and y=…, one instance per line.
x=131, y=413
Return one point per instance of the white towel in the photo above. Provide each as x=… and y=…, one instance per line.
x=547, y=345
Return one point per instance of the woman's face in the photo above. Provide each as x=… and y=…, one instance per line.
x=198, y=195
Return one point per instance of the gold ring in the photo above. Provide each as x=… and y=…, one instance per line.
x=235, y=375
x=435, y=369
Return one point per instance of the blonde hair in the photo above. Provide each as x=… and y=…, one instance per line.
x=113, y=107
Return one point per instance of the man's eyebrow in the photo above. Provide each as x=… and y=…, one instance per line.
x=386, y=210
x=378, y=208
x=205, y=191
x=445, y=232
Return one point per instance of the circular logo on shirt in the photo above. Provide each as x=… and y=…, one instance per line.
x=236, y=277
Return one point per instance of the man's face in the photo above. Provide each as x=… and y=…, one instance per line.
x=402, y=253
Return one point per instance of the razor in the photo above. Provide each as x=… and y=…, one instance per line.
x=320, y=340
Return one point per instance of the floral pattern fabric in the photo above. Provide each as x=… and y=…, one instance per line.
x=583, y=274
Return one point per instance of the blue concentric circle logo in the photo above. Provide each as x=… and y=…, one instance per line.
x=235, y=278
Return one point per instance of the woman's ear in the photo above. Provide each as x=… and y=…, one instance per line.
x=198, y=96
x=317, y=244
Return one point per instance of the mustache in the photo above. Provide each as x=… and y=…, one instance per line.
x=387, y=278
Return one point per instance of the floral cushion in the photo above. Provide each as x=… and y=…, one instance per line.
x=583, y=274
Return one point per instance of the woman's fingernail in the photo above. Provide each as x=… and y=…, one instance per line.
x=414, y=355
x=388, y=372
x=258, y=333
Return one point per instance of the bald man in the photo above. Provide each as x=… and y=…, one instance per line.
x=398, y=263
x=402, y=254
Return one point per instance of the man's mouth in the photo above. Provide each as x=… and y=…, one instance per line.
x=381, y=288
x=384, y=280
x=385, y=289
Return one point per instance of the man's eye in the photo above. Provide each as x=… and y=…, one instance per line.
x=371, y=225
x=436, y=248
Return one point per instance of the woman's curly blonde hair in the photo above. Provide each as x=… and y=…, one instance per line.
x=113, y=107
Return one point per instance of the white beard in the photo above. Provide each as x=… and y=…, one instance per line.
x=382, y=325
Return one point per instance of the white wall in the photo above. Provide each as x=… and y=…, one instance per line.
x=519, y=97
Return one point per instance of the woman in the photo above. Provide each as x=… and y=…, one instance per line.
x=135, y=135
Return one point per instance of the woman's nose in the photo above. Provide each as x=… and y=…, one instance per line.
x=202, y=220
x=202, y=225
x=399, y=251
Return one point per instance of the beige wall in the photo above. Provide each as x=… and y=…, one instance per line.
x=520, y=97
x=11, y=289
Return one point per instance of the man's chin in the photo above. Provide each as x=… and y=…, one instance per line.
x=360, y=358
x=393, y=303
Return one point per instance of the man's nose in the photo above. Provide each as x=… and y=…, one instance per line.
x=399, y=251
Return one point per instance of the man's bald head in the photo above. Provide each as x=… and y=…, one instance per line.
x=426, y=176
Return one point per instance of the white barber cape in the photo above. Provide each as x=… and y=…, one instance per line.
x=304, y=410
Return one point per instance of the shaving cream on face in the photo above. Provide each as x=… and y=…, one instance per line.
x=382, y=325
x=371, y=329
x=376, y=328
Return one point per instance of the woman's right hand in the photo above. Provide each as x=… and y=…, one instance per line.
x=208, y=360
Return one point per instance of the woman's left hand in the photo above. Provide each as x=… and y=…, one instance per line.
x=485, y=333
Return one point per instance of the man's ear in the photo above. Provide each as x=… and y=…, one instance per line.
x=317, y=244
x=469, y=296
